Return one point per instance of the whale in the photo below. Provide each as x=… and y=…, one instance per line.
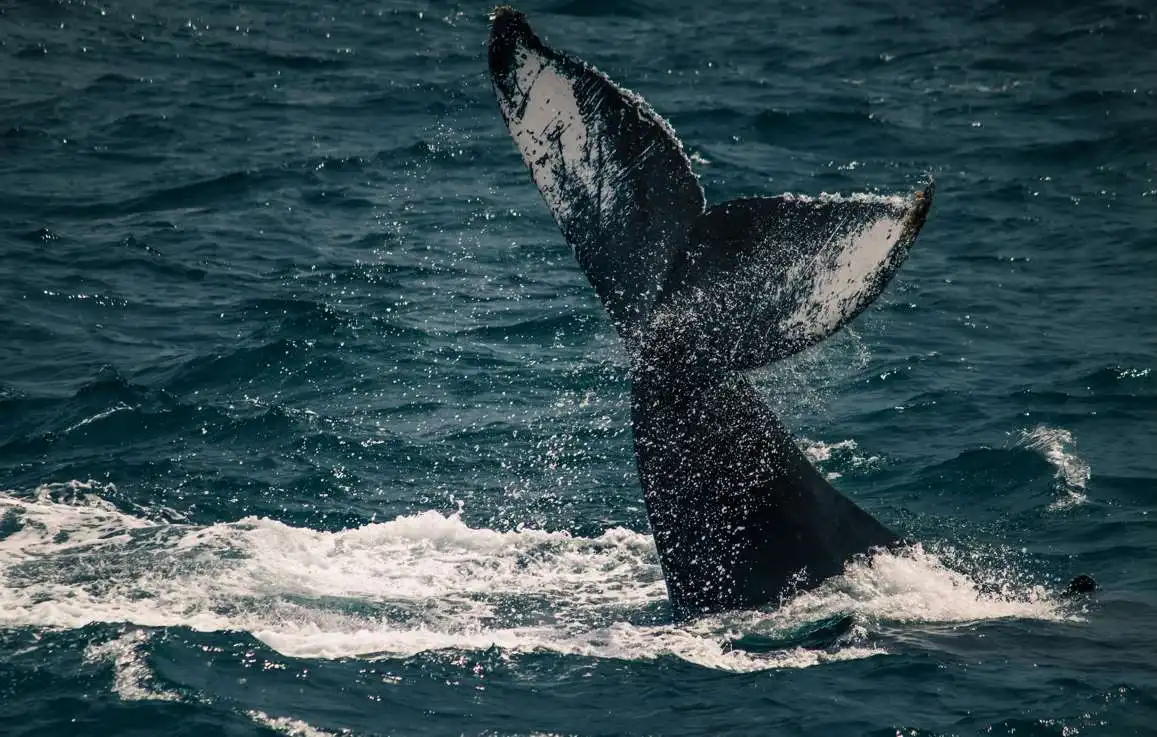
x=701, y=296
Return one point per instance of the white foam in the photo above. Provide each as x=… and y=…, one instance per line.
x=848, y=451
x=131, y=675
x=819, y=451
x=118, y=407
x=422, y=582
x=1058, y=448
x=291, y=727
x=913, y=585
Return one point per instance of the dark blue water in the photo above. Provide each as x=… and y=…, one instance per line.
x=309, y=424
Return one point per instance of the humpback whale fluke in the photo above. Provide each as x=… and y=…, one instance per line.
x=700, y=295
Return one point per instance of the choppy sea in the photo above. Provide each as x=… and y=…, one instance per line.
x=310, y=424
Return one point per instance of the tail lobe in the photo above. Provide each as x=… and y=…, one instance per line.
x=765, y=278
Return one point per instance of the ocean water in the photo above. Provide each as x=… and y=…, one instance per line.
x=310, y=425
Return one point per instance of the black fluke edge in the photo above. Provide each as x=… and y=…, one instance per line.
x=508, y=31
x=700, y=295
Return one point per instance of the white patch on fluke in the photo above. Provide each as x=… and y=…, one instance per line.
x=417, y=583
x=560, y=137
x=550, y=128
x=840, y=272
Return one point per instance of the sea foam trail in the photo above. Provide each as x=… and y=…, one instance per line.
x=425, y=582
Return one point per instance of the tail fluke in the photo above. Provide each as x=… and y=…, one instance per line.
x=609, y=167
x=740, y=516
x=765, y=278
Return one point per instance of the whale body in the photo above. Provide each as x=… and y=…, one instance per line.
x=700, y=295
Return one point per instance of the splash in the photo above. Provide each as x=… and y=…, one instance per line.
x=913, y=585
x=1058, y=448
x=800, y=385
x=423, y=582
x=846, y=452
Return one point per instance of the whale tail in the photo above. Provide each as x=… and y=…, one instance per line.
x=699, y=296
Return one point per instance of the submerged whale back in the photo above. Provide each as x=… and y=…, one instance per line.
x=699, y=295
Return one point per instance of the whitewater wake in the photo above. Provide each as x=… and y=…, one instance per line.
x=429, y=582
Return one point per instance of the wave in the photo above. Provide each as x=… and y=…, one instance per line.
x=571, y=325
x=131, y=675
x=248, y=57
x=289, y=726
x=1118, y=377
x=428, y=582
x=602, y=8
x=133, y=681
x=131, y=425
x=1057, y=446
